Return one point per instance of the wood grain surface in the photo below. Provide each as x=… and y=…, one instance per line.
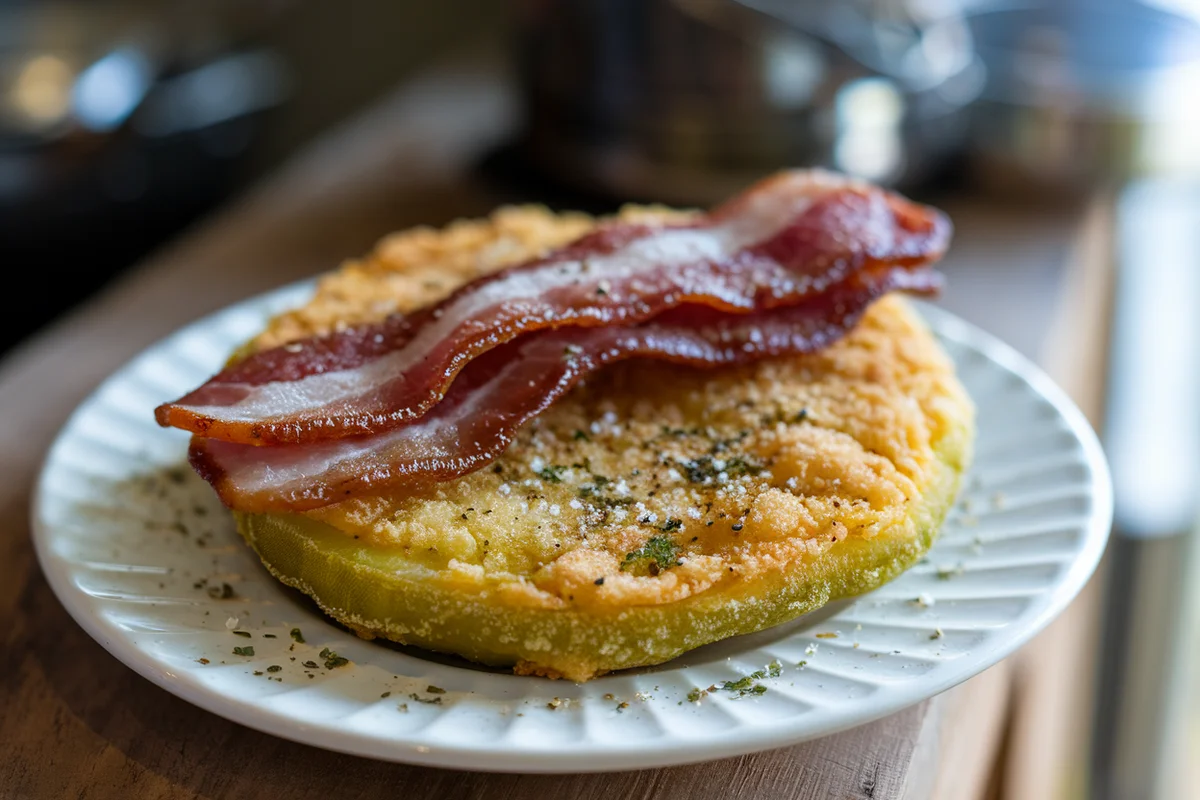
x=76, y=723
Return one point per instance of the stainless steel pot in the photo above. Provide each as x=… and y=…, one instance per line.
x=687, y=100
x=1082, y=93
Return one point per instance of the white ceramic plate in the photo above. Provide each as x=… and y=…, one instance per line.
x=136, y=547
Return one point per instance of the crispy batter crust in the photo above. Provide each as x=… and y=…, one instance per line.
x=790, y=481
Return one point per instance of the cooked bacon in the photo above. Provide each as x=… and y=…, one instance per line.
x=498, y=392
x=782, y=242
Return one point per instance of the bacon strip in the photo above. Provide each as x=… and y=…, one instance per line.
x=779, y=244
x=498, y=392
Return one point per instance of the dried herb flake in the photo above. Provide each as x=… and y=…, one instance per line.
x=552, y=473
x=657, y=554
x=332, y=659
x=431, y=701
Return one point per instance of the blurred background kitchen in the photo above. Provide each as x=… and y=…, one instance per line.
x=124, y=122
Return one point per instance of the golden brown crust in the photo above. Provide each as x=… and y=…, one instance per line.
x=740, y=473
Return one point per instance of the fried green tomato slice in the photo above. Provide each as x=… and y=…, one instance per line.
x=655, y=508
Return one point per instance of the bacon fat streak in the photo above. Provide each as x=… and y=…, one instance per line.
x=787, y=242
